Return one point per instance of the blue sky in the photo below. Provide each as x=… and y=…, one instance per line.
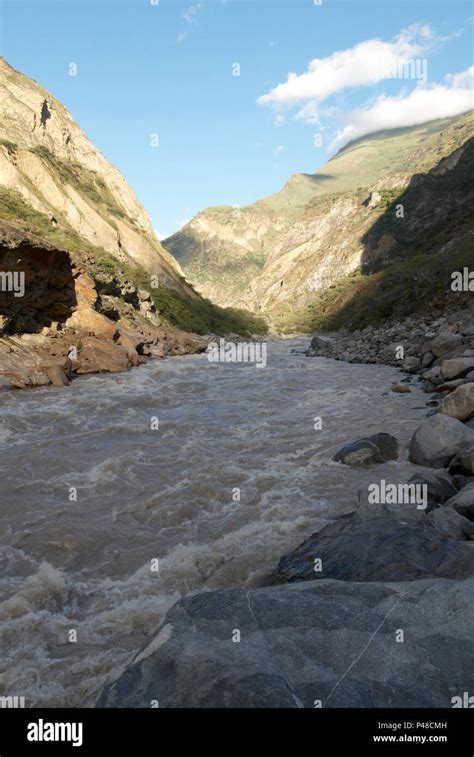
x=167, y=69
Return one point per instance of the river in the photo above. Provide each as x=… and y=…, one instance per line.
x=106, y=520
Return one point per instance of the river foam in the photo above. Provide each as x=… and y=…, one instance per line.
x=166, y=494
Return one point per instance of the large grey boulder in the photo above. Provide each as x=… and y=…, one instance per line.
x=445, y=343
x=460, y=403
x=324, y=643
x=376, y=548
x=375, y=449
x=457, y=367
x=438, y=439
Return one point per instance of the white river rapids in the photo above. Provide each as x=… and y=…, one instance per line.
x=143, y=494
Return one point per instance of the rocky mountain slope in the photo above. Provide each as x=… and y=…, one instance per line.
x=91, y=264
x=47, y=159
x=301, y=254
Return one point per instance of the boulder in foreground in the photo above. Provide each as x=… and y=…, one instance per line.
x=327, y=642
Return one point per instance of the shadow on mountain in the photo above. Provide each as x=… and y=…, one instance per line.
x=424, y=234
x=315, y=178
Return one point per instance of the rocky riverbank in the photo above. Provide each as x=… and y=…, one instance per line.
x=417, y=345
x=374, y=609
x=68, y=322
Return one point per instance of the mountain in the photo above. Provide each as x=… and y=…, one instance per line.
x=302, y=254
x=93, y=267
x=47, y=159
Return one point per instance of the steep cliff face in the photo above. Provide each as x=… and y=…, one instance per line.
x=81, y=271
x=46, y=158
x=284, y=253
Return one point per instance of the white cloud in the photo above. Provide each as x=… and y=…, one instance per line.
x=159, y=235
x=366, y=63
x=463, y=79
x=190, y=16
x=424, y=103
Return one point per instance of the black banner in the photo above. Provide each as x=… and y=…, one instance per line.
x=86, y=731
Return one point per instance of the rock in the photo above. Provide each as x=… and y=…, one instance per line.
x=376, y=548
x=449, y=386
x=97, y=356
x=401, y=389
x=460, y=403
x=433, y=375
x=463, y=462
x=411, y=364
x=375, y=449
x=56, y=375
x=427, y=359
x=439, y=486
x=460, y=481
x=445, y=343
x=457, y=367
x=91, y=323
x=449, y=522
x=469, y=376
x=129, y=337
x=463, y=502
x=363, y=452
x=438, y=439
x=319, y=342
x=374, y=199
x=326, y=641
x=387, y=444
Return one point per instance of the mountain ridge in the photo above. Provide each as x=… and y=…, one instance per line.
x=310, y=234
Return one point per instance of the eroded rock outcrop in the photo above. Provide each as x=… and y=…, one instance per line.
x=56, y=329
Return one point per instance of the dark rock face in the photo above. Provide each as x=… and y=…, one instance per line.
x=48, y=287
x=375, y=449
x=463, y=502
x=463, y=463
x=439, y=486
x=49, y=305
x=324, y=643
x=387, y=444
x=376, y=548
x=450, y=522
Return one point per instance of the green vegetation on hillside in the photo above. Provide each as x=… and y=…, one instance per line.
x=88, y=183
x=12, y=147
x=15, y=209
x=198, y=315
x=212, y=252
x=360, y=300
